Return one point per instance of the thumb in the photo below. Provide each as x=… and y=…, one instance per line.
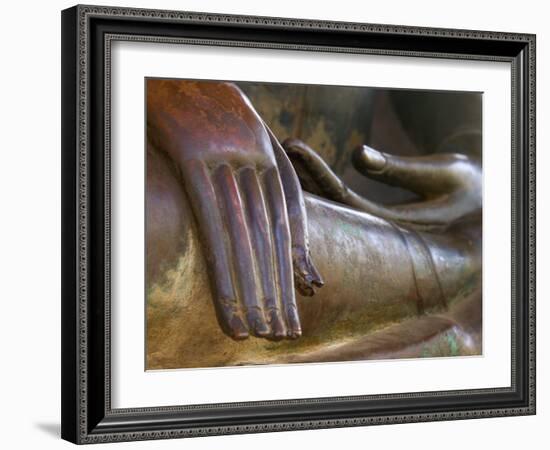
x=427, y=175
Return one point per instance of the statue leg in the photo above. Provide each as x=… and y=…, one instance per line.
x=369, y=274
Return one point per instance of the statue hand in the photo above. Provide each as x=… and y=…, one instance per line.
x=229, y=171
x=450, y=185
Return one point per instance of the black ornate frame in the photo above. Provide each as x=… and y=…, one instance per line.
x=87, y=33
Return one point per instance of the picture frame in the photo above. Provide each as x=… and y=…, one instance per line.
x=87, y=413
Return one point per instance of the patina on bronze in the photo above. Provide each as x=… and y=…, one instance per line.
x=223, y=199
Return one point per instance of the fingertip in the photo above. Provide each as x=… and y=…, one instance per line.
x=295, y=329
x=314, y=277
x=238, y=329
x=279, y=335
x=278, y=330
x=307, y=277
x=318, y=282
x=370, y=159
x=291, y=142
x=262, y=332
x=295, y=334
x=260, y=328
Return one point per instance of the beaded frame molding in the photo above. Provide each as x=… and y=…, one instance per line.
x=87, y=35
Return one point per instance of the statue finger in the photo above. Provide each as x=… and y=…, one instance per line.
x=281, y=235
x=306, y=275
x=199, y=187
x=427, y=175
x=238, y=238
x=436, y=211
x=262, y=246
x=314, y=173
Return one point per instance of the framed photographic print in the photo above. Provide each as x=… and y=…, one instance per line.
x=281, y=224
